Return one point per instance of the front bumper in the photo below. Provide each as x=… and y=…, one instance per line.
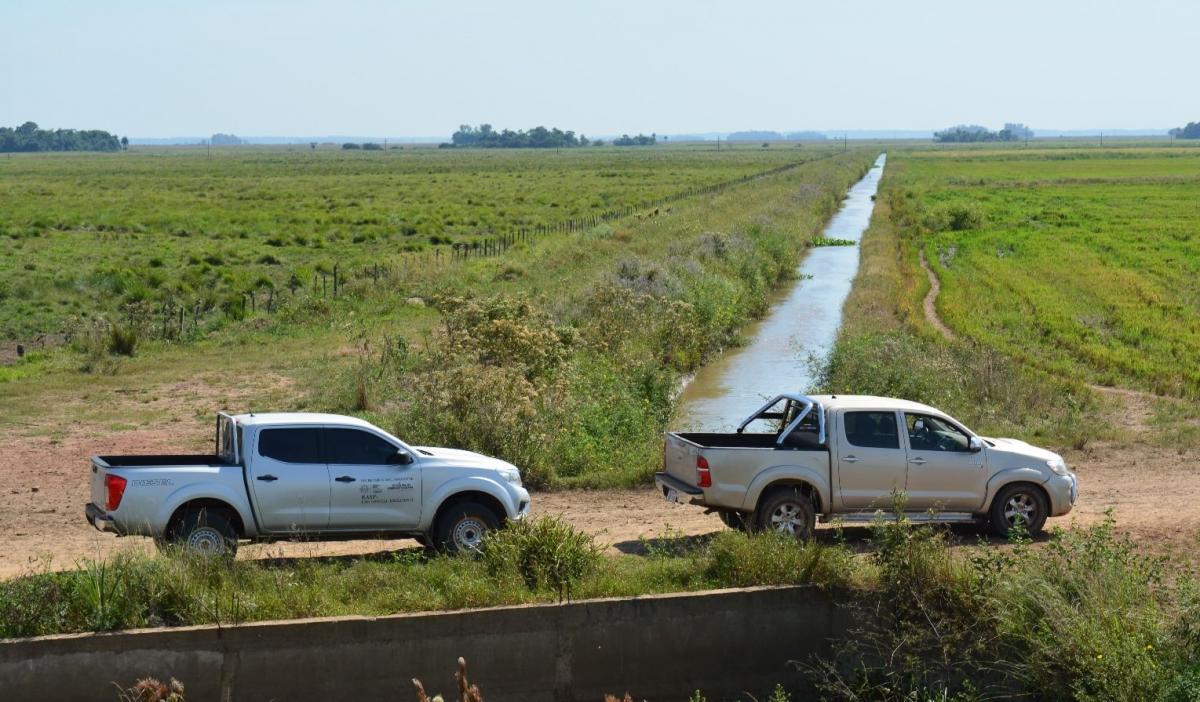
x=1063, y=491
x=97, y=518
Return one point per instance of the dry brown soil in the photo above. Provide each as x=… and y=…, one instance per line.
x=1153, y=493
x=46, y=445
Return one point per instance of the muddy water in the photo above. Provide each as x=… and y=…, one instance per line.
x=801, y=325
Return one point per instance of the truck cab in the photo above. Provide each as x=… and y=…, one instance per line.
x=309, y=476
x=848, y=456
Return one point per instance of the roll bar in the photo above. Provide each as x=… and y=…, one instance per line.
x=808, y=403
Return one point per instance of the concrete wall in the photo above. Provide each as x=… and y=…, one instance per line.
x=657, y=648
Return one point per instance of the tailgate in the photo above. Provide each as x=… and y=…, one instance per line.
x=679, y=458
x=99, y=470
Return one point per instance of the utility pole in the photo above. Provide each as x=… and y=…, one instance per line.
x=1101, y=138
x=845, y=143
x=718, y=143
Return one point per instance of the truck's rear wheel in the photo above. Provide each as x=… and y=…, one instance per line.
x=788, y=511
x=206, y=533
x=1018, y=504
x=463, y=526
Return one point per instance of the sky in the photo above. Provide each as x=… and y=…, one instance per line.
x=161, y=68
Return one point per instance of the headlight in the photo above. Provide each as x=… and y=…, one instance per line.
x=1057, y=465
x=512, y=475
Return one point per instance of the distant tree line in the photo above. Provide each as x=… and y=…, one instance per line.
x=486, y=137
x=28, y=137
x=775, y=136
x=962, y=133
x=639, y=140
x=1191, y=131
x=366, y=146
x=227, y=140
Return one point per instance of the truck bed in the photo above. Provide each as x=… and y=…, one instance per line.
x=161, y=460
x=766, y=441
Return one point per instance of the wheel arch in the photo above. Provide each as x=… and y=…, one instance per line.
x=1003, y=479
x=1038, y=487
x=470, y=495
x=804, y=486
x=807, y=479
x=206, y=503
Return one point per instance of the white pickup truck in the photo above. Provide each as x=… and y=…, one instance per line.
x=847, y=455
x=311, y=476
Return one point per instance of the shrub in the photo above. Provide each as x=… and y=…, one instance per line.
x=738, y=559
x=1086, y=618
x=547, y=553
x=962, y=217
x=122, y=340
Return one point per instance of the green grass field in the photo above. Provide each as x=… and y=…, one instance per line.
x=1082, y=263
x=561, y=354
x=84, y=234
x=1059, y=268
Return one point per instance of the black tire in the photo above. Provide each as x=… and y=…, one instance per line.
x=1017, y=503
x=461, y=527
x=207, y=533
x=735, y=520
x=788, y=511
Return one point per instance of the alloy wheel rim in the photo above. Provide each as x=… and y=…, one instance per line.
x=1019, y=509
x=787, y=519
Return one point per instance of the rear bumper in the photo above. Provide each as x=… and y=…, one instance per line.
x=97, y=518
x=667, y=484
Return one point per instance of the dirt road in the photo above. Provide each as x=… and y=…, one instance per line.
x=1153, y=493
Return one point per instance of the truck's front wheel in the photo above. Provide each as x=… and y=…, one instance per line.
x=207, y=533
x=788, y=511
x=462, y=527
x=1022, y=504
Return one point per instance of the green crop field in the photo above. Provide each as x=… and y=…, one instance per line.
x=559, y=352
x=1082, y=263
x=82, y=235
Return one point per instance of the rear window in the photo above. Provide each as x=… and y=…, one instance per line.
x=872, y=429
x=356, y=447
x=291, y=445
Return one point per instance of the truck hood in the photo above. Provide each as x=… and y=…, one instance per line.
x=1017, y=449
x=437, y=456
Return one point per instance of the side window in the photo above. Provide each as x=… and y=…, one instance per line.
x=357, y=447
x=291, y=445
x=872, y=429
x=929, y=433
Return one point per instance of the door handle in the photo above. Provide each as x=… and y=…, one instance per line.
x=267, y=478
x=344, y=479
x=850, y=459
x=918, y=461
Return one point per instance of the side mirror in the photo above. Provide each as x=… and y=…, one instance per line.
x=974, y=444
x=401, y=458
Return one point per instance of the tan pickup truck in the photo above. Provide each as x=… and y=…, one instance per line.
x=846, y=455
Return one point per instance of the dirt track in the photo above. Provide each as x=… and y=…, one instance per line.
x=1152, y=491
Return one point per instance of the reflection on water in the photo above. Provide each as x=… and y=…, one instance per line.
x=802, y=323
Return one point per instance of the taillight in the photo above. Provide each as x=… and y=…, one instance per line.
x=114, y=486
x=703, y=474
